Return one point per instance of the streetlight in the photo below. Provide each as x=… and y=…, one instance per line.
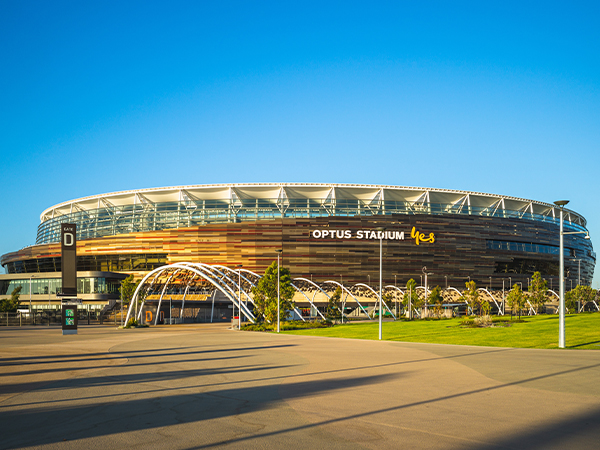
x=239, y=267
x=561, y=305
x=380, y=233
x=279, y=251
x=396, y=295
x=446, y=277
x=426, y=273
x=490, y=283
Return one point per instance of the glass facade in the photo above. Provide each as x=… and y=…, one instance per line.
x=527, y=247
x=51, y=286
x=114, y=220
x=92, y=263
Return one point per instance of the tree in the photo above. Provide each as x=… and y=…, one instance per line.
x=515, y=300
x=334, y=307
x=436, y=299
x=578, y=297
x=538, y=290
x=471, y=296
x=11, y=304
x=410, y=295
x=128, y=287
x=265, y=294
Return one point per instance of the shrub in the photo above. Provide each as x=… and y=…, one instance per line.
x=132, y=323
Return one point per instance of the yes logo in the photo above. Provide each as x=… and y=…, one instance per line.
x=420, y=237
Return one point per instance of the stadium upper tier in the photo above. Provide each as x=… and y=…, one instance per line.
x=189, y=206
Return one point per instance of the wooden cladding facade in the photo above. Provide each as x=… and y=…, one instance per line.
x=461, y=249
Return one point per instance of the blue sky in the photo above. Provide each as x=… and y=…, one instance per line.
x=499, y=97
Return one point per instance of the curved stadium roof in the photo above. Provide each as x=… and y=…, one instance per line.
x=180, y=206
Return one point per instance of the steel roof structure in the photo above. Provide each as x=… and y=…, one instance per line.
x=181, y=206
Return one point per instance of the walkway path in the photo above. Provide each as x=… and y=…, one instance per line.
x=204, y=386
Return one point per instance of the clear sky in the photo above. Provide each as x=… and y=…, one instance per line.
x=491, y=96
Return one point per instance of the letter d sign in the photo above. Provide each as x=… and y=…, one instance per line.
x=68, y=239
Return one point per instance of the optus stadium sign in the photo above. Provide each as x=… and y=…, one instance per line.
x=373, y=234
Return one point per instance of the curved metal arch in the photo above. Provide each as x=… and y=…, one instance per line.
x=162, y=294
x=309, y=300
x=394, y=287
x=376, y=296
x=254, y=285
x=341, y=310
x=236, y=273
x=139, y=314
x=313, y=284
x=423, y=287
x=156, y=271
x=455, y=290
x=351, y=295
x=493, y=299
x=197, y=270
x=552, y=292
x=210, y=269
x=187, y=287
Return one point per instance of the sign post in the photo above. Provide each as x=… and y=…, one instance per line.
x=69, y=318
x=68, y=244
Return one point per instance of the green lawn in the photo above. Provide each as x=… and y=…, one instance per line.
x=582, y=332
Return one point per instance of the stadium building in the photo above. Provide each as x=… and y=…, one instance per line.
x=326, y=231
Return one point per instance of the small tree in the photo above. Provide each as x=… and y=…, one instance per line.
x=11, y=304
x=515, y=300
x=538, y=290
x=128, y=287
x=578, y=297
x=410, y=295
x=388, y=299
x=265, y=294
x=334, y=307
x=471, y=296
x=436, y=299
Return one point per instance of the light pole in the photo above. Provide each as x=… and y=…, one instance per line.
x=503, y=307
x=380, y=233
x=239, y=268
x=490, y=283
x=396, y=295
x=446, y=277
x=426, y=273
x=561, y=305
x=279, y=251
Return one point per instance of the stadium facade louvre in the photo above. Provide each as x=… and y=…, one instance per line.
x=326, y=231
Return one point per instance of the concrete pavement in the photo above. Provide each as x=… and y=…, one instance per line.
x=204, y=386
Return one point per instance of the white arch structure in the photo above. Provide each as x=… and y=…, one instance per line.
x=311, y=301
x=344, y=288
x=258, y=277
x=377, y=297
x=493, y=299
x=215, y=277
x=394, y=287
x=209, y=273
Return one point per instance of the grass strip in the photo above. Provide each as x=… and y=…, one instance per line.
x=582, y=331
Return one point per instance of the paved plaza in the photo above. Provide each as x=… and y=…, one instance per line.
x=205, y=386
